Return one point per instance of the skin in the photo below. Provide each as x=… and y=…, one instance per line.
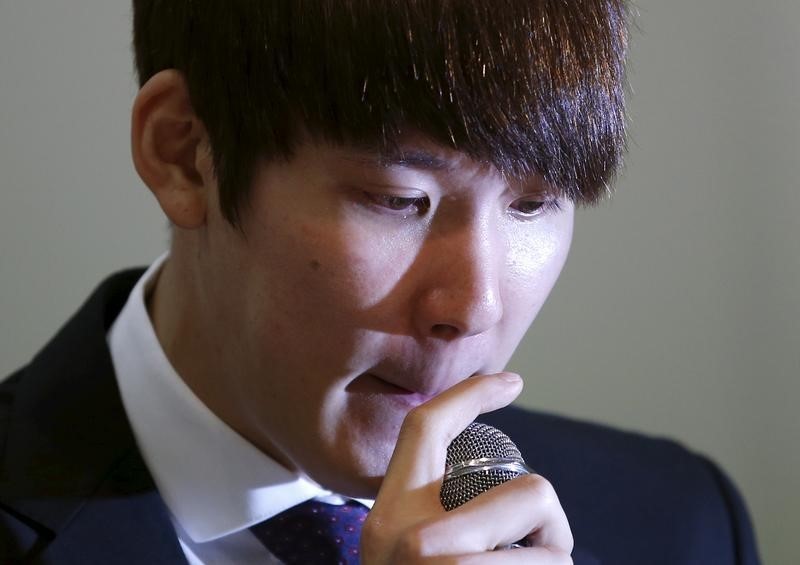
x=362, y=292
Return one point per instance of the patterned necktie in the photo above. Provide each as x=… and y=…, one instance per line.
x=314, y=532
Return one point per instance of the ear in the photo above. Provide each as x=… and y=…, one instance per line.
x=170, y=149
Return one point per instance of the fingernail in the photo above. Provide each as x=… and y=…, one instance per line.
x=510, y=377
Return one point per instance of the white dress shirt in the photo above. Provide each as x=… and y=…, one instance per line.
x=215, y=483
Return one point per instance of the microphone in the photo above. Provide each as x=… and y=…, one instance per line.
x=479, y=458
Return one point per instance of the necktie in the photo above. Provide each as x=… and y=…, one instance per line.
x=314, y=533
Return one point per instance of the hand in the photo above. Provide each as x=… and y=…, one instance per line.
x=408, y=525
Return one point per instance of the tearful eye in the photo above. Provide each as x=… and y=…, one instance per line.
x=400, y=204
x=530, y=207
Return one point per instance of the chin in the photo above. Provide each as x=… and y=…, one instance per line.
x=355, y=469
x=354, y=453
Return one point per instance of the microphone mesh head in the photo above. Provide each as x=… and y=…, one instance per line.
x=475, y=442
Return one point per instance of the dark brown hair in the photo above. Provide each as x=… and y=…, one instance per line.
x=532, y=86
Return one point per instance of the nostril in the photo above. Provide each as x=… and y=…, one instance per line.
x=444, y=331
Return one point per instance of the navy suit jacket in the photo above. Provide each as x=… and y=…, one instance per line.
x=74, y=488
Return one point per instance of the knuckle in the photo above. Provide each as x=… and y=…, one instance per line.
x=384, y=543
x=420, y=420
x=569, y=543
x=419, y=416
x=413, y=545
x=371, y=527
x=541, y=489
x=374, y=536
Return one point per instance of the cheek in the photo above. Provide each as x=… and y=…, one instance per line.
x=535, y=260
x=320, y=284
x=352, y=269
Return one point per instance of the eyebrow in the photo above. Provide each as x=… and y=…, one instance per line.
x=412, y=159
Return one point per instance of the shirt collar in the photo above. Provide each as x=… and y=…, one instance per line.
x=213, y=480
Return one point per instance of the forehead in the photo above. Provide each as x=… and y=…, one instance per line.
x=417, y=153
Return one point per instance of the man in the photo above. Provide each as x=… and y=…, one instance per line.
x=369, y=204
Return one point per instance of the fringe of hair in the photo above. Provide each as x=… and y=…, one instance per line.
x=534, y=87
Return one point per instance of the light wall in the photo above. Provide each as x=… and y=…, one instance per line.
x=677, y=313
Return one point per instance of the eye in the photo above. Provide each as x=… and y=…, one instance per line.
x=403, y=205
x=530, y=207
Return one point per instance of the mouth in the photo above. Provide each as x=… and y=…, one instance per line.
x=371, y=384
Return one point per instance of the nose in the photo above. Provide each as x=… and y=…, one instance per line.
x=460, y=295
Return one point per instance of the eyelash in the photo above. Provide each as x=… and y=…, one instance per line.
x=544, y=206
x=400, y=205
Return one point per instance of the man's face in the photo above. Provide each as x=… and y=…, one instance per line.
x=363, y=286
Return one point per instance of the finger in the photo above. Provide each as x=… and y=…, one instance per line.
x=527, y=555
x=526, y=506
x=420, y=453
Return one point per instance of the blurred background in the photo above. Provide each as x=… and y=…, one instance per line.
x=678, y=313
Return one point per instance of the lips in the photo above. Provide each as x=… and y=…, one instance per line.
x=410, y=383
x=429, y=367
x=392, y=388
x=375, y=386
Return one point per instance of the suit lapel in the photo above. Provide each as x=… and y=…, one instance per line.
x=581, y=556
x=141, y=530
x=69, y=459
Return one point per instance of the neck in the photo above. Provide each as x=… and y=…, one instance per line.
x=181, y=312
